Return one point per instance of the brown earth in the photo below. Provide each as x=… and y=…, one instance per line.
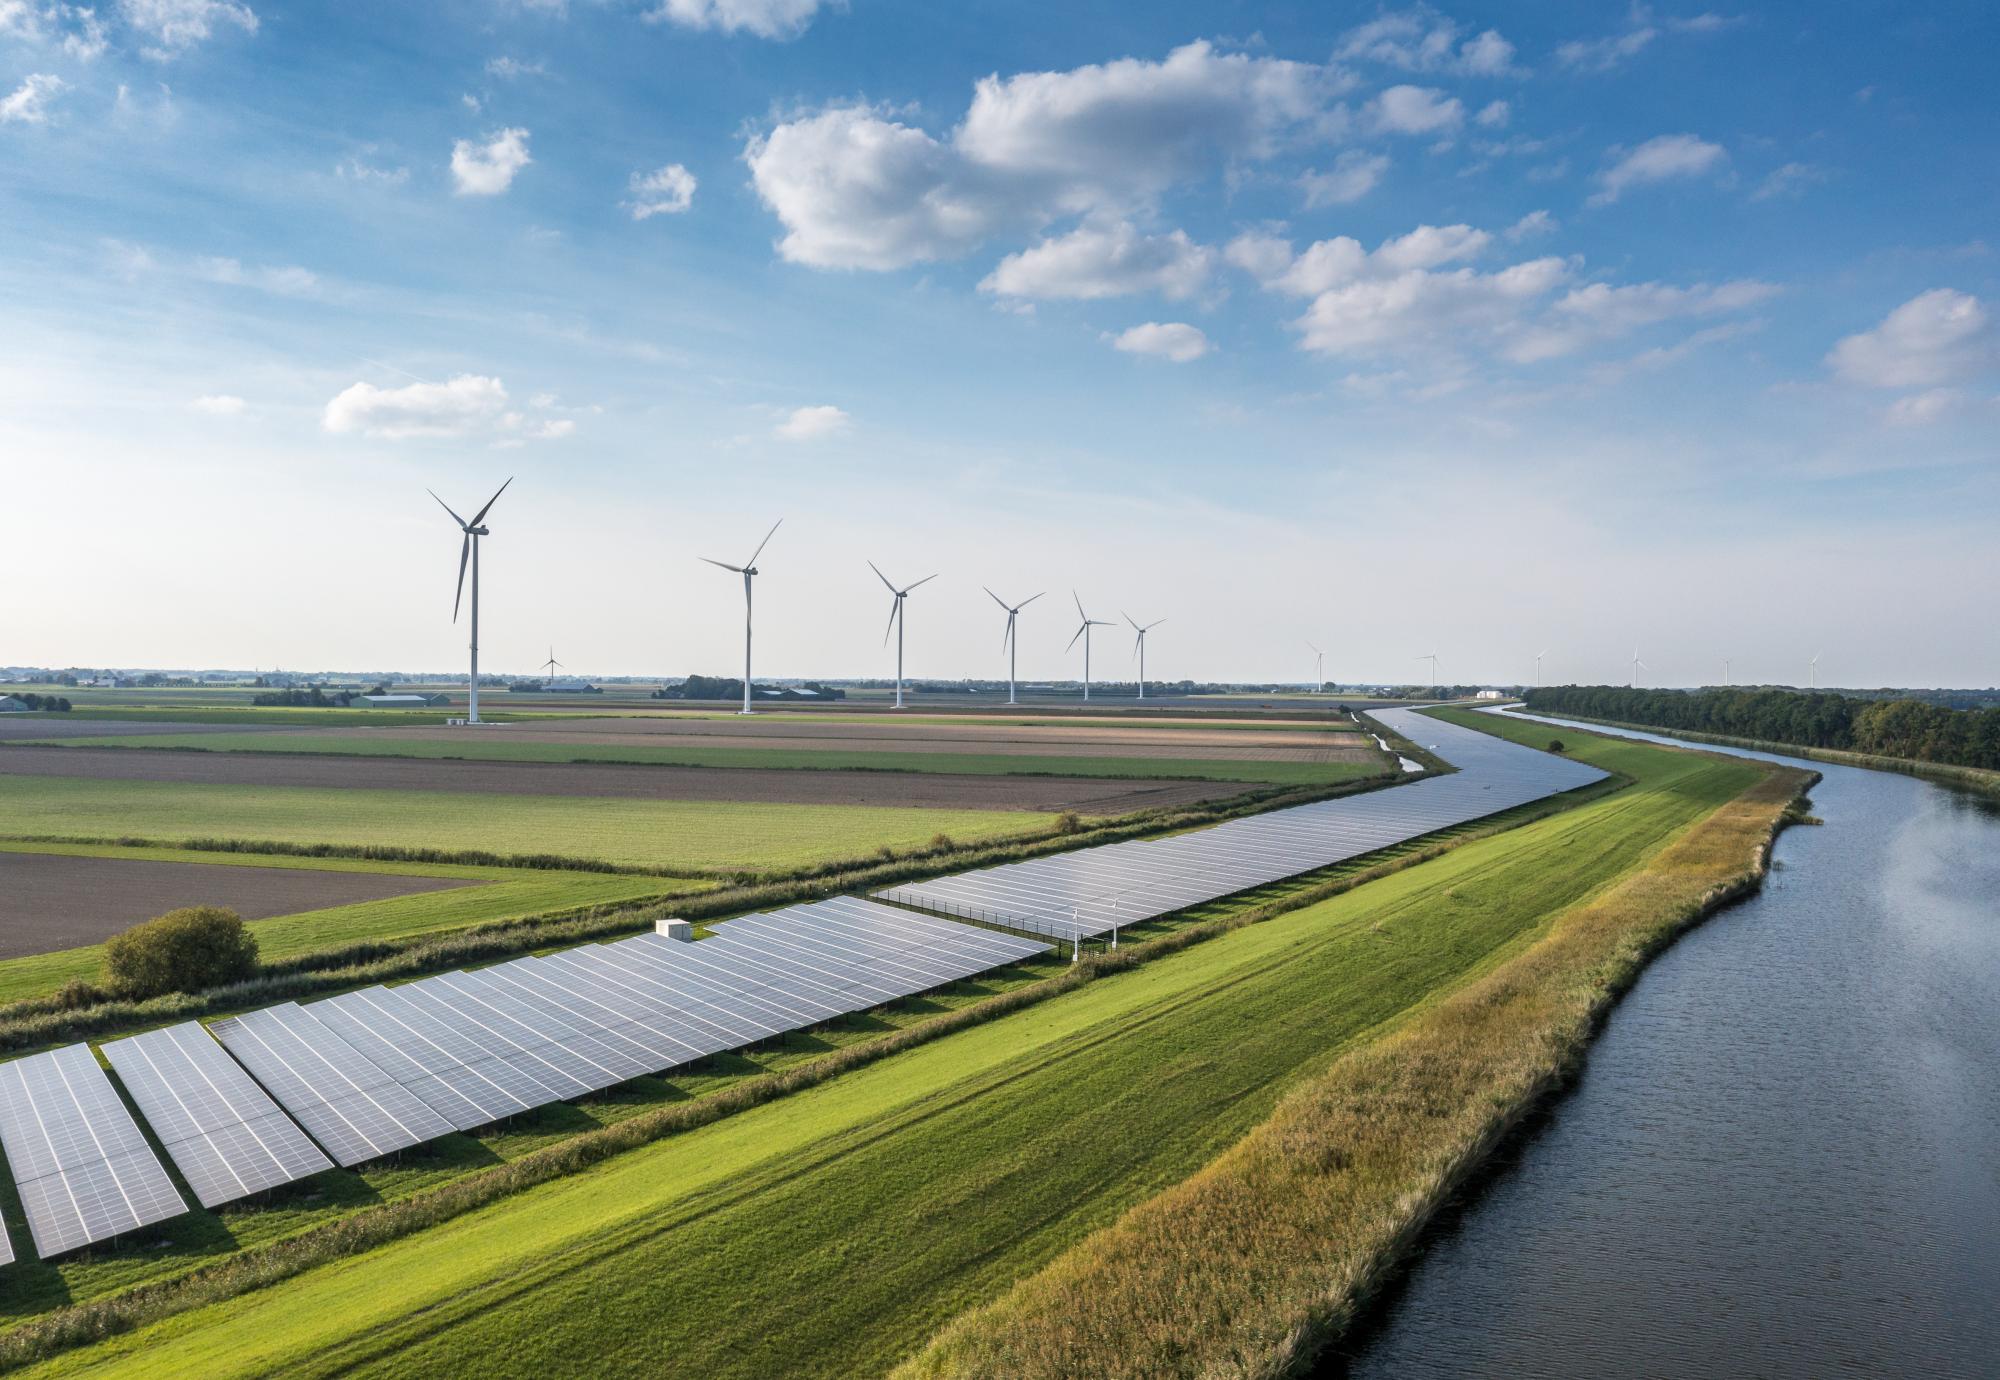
x=928, y=790
x=50, y=901
x=25, y=728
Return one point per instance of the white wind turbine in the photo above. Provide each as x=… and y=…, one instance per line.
x=1432, y=658
x=1083, y=631
x=748, y=570
x=896, y=621
x=1319, y=669
x=1139, y=647
x=1538, y=667
x=470, y=551
x=1009, y=643
x=1813, y=666
x=1637, y=667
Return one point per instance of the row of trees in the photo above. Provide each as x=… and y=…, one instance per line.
x=54, y=704
x=1890, y=728
x=314, y=697
x=731, y=688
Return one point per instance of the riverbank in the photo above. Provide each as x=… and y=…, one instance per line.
x=1268, y=1254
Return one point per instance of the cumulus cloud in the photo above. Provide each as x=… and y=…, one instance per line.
x=857, y=187
x=465, y=406
x=1104, y=260
x=1533, y=224
x=1422, y=40
x=1352, y=176
x=1658, y=160
x=1494, y=115
x=509, y=68
x=28, y=103
x=220, y=405
x=665, y=191
x=1600, y=312
x=764, y=18
x=1935, y=338
x=1921, y=409
x=286, y=280
x=1171, y=340
x=487, y=169
x=1416, y=110
x=174, y=26
x=1791, y=180
x=1603, y=54
x=813, y=423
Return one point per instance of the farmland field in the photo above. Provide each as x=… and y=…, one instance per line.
x=830, y=1232
x=691, y=836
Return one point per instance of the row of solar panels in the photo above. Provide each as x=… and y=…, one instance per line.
x=376, y=1070
x=1095, y=890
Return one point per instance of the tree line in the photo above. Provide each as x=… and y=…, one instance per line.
x=1905, y=728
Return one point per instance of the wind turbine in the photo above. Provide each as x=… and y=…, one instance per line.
x=1813, y=665
x=1008, y=642
x=1637, y=667
x=1538, y=667
x=1139, y=647
x=748, y=570
x=1432, y=658
x=1083, y=631
x=473, y=530
x=896, y=621
x=1725, y=672
x=1319, y=669
x=551, y=665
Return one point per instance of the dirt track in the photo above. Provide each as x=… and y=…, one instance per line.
x=50, y=901
x=914, y=789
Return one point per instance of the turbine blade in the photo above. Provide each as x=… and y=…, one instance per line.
x=1079, y=633
x=1008, y=635
x=480, y=516
x=1127, y=617
x=880, y=576
x=724, y=564
x=1029, y=600
x=447, y=507
x=1154, y=624
x=464, y=555
x=1079, y=606
x=762, y=544
x=996, y=599
x=926, y=580
x=895, y=607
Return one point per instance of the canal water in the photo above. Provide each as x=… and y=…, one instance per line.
x=1782, y=1158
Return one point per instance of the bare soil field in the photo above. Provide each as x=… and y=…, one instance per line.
x=50, y=902
x=1051, y=794
x=28, y=728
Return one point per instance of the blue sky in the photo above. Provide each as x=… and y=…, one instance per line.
x=1475, y=328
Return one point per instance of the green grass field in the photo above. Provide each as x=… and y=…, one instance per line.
x=692, y=836
x=491, y=893
x=829, y=1233
x=694, y=754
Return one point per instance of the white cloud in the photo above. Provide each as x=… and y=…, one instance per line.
x=1603, y=54
x=509, y=68
x=85, y=40
x=29, y=102
x=488, y=169
x=1104, y=260
x=287, y=280
x=764, y=18
x=666, y=191
x=1494, y=115
x=1264, y=257
x=466, y=406
x=1421, y=40
x=1921, y=409
x=813, y=423
x=1791, y=180
x=1352, y=176
x=356, y=168
x=1533, y=224
x=1658, y=160
x=1600, y=312
x=1173, y=340
x=1426, y=311
x=1416, y=110
x=856, y=187
x=177, y=25
x=1935, y=338
x=220, y=405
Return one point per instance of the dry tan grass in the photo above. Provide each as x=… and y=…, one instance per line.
x=1243, y=1269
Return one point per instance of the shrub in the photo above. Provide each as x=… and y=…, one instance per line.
x=942, y=843
x=1069, y=822
x=186, y=950
x=1556, y=745
x=76, y=994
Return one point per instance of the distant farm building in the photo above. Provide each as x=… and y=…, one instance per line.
x=1492, y=695
x=10, y=705
x=570, y=687
x=399, y=701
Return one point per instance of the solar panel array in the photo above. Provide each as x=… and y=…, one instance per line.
x=1094, y=890
x=375, y=1070
x=82, y=1165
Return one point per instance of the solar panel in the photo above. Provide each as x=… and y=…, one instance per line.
x=1094, y=890
x=226, y=1136
x=345, y=1100
x=83, y=1167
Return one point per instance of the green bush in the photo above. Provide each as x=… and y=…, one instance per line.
x=1556, y=745
x=185, y=950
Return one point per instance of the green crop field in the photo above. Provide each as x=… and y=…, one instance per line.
x=830, y=1232
x=491, y=893
x=695, y=836
x=694, y=754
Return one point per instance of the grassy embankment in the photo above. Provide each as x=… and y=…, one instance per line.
x=490, y=894
x=693, y=753
x=1245, y=1268
x=830, y=1232
x=688, y=837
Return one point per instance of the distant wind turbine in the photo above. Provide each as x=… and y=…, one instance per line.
x=1319, y=669
x=469, y=551
x=896, y=621
x=1139, y=646
x=1813, y=665
x=1725, y=672
x=748, y=570
x=551, y=665
x=1083, y=631
x=1432, y=658
x=1009, y=643
x=1637, y=667
x=1538, y=667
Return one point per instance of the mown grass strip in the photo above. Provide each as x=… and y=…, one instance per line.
x=1271, y=1251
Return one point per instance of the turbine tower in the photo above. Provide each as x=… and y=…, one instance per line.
x=1432, y=658
x=748, y=570
x=1008, y=642
x=469, y=551
x=1637, y=667
x=1319, y=669
x=551, y=665
x=1725, y=672
x=896, y=621
x=1538, y=667
x=1083, y=631
x=1813, y=666
x=1139, y=646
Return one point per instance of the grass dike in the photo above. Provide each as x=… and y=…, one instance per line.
x=1252, y=1265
